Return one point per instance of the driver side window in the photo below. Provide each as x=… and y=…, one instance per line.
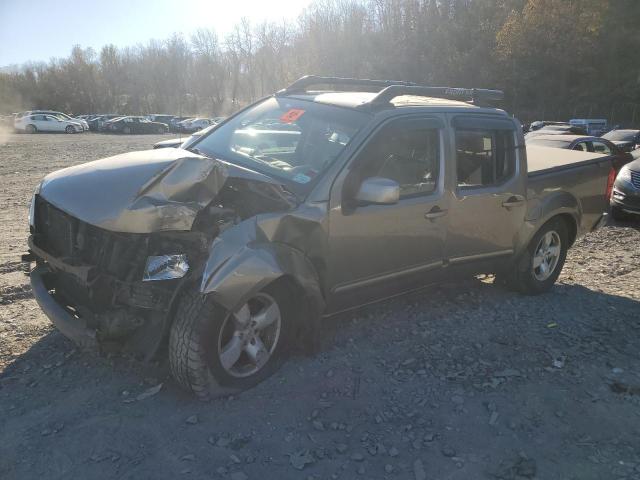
x=407, y=154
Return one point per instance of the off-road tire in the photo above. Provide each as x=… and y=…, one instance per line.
x=523, y=278
x=193, y=345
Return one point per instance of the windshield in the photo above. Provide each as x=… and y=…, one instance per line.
x=285, y=138
x=620, y=135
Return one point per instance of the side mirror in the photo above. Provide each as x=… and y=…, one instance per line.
x=378, y=191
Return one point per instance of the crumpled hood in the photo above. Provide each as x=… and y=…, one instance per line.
x=138, y=192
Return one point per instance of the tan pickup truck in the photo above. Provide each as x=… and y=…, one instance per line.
x=325, y=196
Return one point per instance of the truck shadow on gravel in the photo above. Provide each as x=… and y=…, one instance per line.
x=430, y=375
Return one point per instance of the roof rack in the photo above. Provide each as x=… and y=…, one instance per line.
x=302, y=84
x=392, y=89
x=478, y=96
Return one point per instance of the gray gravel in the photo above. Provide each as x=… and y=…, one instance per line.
x=463, y=381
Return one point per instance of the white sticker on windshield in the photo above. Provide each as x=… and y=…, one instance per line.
x=301, y=178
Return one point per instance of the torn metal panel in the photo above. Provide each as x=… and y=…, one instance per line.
x=138, y=192
x=245, y=258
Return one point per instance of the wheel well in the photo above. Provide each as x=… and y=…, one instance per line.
x=308, y=328
x=572, y=227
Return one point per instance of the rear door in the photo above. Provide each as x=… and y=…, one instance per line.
x=488, y=202
x=41, y=122
x=380, y=250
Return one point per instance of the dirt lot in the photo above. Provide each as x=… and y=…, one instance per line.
x=464, y=381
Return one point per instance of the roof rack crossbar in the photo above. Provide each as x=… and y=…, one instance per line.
x=302, y=84
x=478, y=96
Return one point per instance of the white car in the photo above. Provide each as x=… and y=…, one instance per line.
x=83, y=123
x=40, y=122
x=198, y=124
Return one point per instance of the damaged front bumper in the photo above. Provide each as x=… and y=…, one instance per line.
x=70, y=325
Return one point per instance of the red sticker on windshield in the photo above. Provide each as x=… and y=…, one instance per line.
x=291, y=115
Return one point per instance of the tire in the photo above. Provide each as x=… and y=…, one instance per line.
x=70, y=129
x=203, y=330
x=30, y=129
x=618, y=214
x=126, y=130
x=160, y=130
x=532, y=280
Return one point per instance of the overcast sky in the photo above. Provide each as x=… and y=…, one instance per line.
x=35, y=30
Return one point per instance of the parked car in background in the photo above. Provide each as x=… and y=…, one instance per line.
x=97, y=123
x=40, y=122
x=131, y=124
x=64, y=116
x=557, y=129
x=593, y=126
x=626, y=140
x=226, y=256
x=174, y=123
x=198, y=124
x=538, y=124
x=183, y=142
x=166, y=119
x=625, y=198
x=584, y=144
x=184, y=125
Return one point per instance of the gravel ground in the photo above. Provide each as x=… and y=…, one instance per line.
x=464, y=381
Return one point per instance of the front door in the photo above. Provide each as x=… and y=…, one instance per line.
x=488, y=203
x=377, y=251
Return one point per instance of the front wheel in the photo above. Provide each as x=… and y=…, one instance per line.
x=542, y=262
x=70, y=129
x=160, y=130
x=126, y=130
x=213, y=352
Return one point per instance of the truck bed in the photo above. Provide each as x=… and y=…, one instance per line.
x=548, y=159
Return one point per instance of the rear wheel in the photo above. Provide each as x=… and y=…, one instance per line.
x=126, y=130
x=70, y=129
x=213, y=352
x=31, y=129
x=542, y=262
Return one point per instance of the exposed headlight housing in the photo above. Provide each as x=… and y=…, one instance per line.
x=165, y=267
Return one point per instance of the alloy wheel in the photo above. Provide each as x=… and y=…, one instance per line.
x=546, y=256
x=249, y=337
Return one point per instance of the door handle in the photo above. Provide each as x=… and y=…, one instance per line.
x=514, y=201
x=434, y=213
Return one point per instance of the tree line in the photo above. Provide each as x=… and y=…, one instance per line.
x=555, y=59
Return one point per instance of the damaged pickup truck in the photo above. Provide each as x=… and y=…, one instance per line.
x=328, y=195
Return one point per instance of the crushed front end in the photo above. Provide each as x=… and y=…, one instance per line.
x=99, y=286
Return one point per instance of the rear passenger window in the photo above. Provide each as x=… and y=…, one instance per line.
x=600, y=147
x=484, y=157
x=410, y=156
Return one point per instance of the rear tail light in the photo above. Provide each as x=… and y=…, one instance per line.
x=610, y=181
